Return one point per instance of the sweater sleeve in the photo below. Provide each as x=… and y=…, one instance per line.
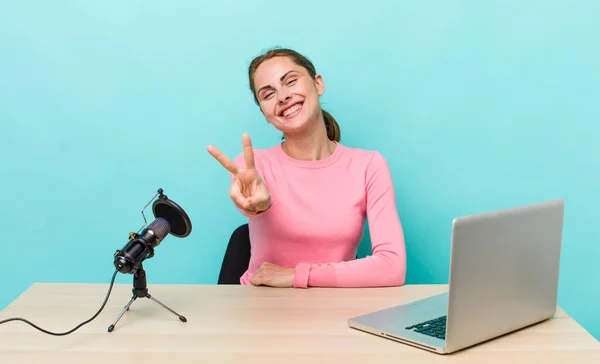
x=387, y=264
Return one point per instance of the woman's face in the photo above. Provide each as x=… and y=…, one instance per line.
x=287, y=95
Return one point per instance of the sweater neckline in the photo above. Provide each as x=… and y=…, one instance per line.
x=311, y=163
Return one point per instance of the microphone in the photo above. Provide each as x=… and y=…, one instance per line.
x=141, y=247
x=170, y=218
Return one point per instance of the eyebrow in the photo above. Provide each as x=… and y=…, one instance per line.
x=280, y=79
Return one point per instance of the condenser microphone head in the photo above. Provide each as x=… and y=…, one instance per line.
x=160, y=227
x=141, y=246
x=178, y=220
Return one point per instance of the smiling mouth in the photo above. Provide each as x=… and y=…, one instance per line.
x=292, y=111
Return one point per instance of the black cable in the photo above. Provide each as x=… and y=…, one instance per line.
x=112, y=281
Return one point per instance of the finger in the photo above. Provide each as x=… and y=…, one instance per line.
x=256, y=278
x=243, y=187
x=251, y=203
x=248, y=152
x=240, y=201
x=222, y=158
x=239, y=193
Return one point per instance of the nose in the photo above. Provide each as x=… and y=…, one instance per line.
x=284, y=97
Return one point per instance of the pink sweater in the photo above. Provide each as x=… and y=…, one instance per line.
x=317, y=215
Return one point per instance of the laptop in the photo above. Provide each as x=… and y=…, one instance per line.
x=504, y=269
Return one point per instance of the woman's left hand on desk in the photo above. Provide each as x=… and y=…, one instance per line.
x=269, y=274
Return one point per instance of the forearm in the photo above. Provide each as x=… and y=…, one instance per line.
x=383, y=269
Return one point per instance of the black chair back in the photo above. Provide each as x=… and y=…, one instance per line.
x=237, y=256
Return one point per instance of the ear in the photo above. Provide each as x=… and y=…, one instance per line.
x=320, y=85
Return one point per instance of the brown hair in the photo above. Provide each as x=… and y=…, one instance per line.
x=333, y=129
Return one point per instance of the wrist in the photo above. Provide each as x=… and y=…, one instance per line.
x=291, y=277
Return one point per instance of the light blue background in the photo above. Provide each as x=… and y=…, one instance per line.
x=476, y=105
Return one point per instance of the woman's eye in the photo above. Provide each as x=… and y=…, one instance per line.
x=267, y=95
x=292, y=81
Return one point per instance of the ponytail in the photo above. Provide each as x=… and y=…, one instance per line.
x=333, y=129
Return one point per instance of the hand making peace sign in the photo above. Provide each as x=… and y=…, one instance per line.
x=248, y=190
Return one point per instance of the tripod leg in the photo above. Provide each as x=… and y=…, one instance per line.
x=126, y=308
x=181, y=318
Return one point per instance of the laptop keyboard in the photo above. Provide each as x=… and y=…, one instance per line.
x=435, y=327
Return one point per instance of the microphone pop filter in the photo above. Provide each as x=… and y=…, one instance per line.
x=180, y=223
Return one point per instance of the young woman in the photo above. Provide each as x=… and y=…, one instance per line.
x=307, y=198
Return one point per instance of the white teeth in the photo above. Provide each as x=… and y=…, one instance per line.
x=292, y=110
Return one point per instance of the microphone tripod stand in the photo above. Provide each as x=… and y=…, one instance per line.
x=140, y=290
